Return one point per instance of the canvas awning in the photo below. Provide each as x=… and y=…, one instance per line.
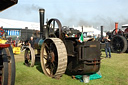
x=4, y=4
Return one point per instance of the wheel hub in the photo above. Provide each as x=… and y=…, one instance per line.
x=51, y=57
x=118, y=45
x=28, y=56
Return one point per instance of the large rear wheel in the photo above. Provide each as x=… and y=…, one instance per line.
x=11, y=65
x=53, y=57
x=3, y=68
x=119, y=44
x=7, y=67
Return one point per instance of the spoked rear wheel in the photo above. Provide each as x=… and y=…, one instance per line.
x=53, y=57
x=29, y=57
x=119, y=44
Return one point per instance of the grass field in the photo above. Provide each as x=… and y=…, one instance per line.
x=114, y=72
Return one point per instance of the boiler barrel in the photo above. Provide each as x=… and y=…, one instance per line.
x=38, y=43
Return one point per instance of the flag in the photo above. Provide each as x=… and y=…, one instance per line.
x=81, y=39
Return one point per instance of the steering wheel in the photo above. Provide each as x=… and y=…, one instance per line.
x=1, y=32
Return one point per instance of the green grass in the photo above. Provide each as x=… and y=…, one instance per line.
x=114, y=72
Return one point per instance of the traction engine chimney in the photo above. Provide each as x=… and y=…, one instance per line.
x=101, y=32
x=116, y=27
x=42, y=13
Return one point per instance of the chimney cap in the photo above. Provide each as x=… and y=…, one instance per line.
x=42, y=10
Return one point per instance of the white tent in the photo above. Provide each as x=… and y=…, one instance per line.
x=90, y=30
x=125, y=26
x=6, y=23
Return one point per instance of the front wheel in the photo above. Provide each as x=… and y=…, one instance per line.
x=29, y=57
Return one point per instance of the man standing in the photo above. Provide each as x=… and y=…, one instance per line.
x=17, y=41
x=107, y=47
x=9, y=40
x=31, y=42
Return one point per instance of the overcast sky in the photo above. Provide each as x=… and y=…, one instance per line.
x=72, y=12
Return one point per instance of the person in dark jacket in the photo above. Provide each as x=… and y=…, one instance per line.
x=107, y=47
x=9, y=40
x=31, y=41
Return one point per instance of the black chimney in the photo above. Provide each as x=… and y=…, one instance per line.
x=42, y=13
x=101, y=32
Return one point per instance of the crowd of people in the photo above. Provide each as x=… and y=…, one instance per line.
x=14, y=42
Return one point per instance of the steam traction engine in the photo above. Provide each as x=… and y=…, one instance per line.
x=7, y=61
x=59, y=53
x=7, y=65
x=119, y=39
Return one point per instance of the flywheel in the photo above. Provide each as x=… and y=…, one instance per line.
x=53, y=57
